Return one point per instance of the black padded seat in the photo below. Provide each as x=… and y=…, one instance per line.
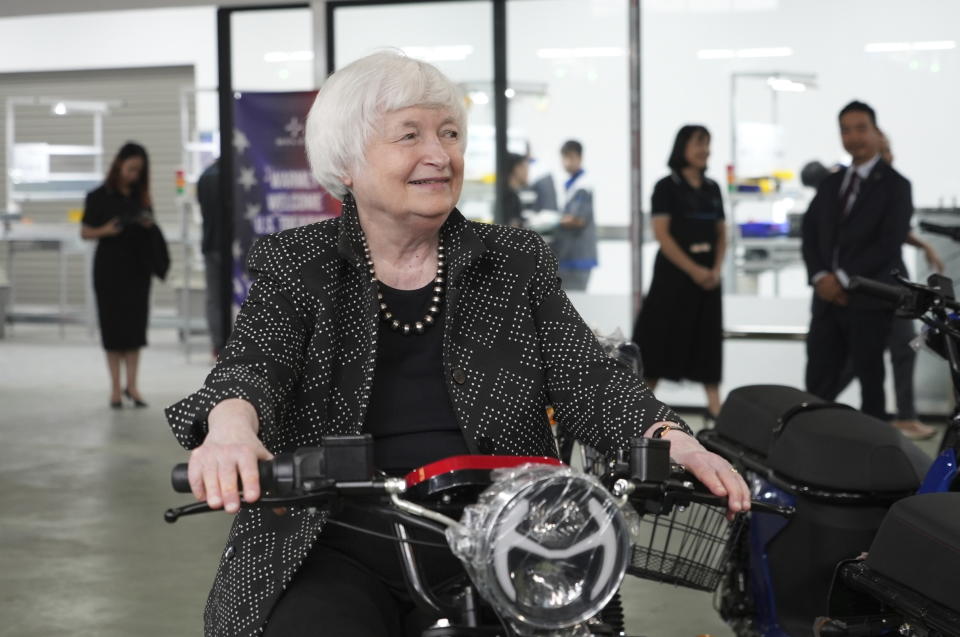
x=918, y=545
x=750, y=413
x=822, y=446
x=844, y=449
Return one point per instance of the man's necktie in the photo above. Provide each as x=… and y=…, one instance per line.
x=850, y=194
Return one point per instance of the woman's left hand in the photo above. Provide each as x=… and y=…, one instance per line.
x=714, y=281
x=713, y=471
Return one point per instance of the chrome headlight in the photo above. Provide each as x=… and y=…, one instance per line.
x=547, y=546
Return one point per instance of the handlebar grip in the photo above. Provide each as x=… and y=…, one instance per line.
x=952, y=232
x=178, y=478
x=894, y=293
x=267, y=469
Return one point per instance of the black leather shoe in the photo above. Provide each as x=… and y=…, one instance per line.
x=136, y=402
x=116, y=404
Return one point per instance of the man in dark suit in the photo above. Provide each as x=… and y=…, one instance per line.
x=856, y=225
x=211, y=208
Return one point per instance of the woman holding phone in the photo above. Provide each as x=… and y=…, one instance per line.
x=119, y=215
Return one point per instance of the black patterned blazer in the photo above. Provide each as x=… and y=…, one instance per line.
x=303, y=352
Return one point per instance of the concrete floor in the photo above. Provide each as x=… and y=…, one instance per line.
x=83, y=546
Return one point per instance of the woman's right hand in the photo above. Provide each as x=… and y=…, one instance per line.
x=112, y=228
x=228, y=457
x=109, y=229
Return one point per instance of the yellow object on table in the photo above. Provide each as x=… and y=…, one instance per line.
x=75, y=215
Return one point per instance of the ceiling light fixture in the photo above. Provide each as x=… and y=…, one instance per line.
x=448, y=53
x=479, y=97
x=288, y=56
x=769, y=52
x=729, y=54
x=935, y=45
x=582, y=52
x=786, y=85
x=716, y=54
x=899, y=47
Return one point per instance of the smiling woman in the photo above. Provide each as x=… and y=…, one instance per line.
x=350, y=110
x=401, y=319
x=413, y=172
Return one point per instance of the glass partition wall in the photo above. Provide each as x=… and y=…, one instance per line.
x=566, y=78
x=768, y=79
x=437, y=32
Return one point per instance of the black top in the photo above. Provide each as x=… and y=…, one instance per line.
x=102, y=205
x=121, y=269
x=211, y=208
x=694, y=213
x=410, y=414
x=512, y=208
x=680, y=327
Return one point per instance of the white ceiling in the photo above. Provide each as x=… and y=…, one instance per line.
x=9, y=8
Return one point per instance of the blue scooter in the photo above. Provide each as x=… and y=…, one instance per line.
x=908, y=583
x=839, y=468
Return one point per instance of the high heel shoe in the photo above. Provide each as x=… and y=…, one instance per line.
x=116, y=404
x=136, y=401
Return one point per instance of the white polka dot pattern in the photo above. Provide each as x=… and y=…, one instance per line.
x=303, y=353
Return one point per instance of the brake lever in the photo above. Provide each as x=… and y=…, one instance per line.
x=904, y=281
x=681, y=492
x=323, y=498
x=173, y=514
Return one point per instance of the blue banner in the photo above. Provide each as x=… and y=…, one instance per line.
x=273, y=187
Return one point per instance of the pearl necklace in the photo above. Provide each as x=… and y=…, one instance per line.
x=418, y=327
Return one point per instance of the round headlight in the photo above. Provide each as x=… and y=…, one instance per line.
x=548, y=546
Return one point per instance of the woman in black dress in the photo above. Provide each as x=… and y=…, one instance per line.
x=680, y=327
x=119, y=215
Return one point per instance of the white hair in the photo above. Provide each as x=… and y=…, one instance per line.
x=352, y=102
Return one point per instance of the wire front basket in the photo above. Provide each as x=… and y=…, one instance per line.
x=687, y=546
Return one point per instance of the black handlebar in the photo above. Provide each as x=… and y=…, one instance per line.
x=178, y=478
x=952, y=232
x=912, y=300
x=310, y=474
x=181, y=483
x=894, y=293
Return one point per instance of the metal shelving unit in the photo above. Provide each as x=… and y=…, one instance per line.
x=784, y=253
x=29, y=177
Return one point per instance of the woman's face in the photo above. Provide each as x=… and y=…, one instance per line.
x=698, y=151
x=130, y=170
x=413, y=167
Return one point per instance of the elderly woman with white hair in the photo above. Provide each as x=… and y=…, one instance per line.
x=401, y=319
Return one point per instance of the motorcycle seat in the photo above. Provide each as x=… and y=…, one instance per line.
x=750, y=413
x=918, y=545
x=818, y=444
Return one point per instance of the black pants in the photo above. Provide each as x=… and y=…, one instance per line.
x=903, y=359
x=352, y=585
x=838, y=333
